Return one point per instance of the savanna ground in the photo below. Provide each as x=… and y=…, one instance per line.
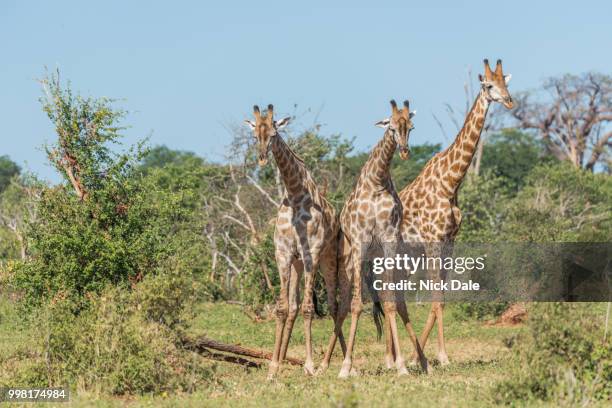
x=479, y=360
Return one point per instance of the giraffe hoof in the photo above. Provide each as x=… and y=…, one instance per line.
x=309, y=369
x=389, y=363
x=354, y=372
x=401, y=367
x=443, y=359
x=272, y=371
x=345, y=371
x=402, y=371
x=321, y=370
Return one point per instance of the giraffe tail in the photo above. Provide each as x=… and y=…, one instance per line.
x=377, y=314
x=377, y=311
x=317, y=306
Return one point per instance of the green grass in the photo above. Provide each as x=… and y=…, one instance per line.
x=12, y=327
x=478, y=360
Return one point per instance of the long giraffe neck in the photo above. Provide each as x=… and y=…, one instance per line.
x=459, y=155
x=379, y=162
x=291, y=167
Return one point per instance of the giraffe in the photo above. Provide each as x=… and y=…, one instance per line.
x=372, y=215
x=305, y=237
x=430, y=201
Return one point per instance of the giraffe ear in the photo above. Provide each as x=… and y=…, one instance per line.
x=383, y=123
x=249, y=124
x=279, y=124
x=412, y=114
x=507, y=78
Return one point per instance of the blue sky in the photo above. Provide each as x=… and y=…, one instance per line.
x=187, y=70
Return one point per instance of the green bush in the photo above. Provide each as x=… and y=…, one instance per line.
x=561, y=203
x=483, y=201
x=108, y=223
x=511, y=155
x=81, y=246
x=561, y=356
x=119, y=342
x=479, y=310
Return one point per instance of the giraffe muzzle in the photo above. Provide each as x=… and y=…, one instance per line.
x=404, y=153
x=263, y=160
x=508, y=103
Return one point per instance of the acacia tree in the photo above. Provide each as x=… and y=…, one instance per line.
x=571, y=114
x=84, y=127
x=107, y=223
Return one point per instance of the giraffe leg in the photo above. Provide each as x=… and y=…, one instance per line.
x=330, y=275
x=435, y=249
x=282, y=308
x=403, y=312
x=344, y=271
x=294, y=302
x=431, y=319
x=389, y=351
x=343, y=309
x=446, y=251
x=389, y=246
x=310, y=266
x=356, y=308
x=442, y=356
x=390, y=311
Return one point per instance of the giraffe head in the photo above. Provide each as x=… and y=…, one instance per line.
x=400, y=125
x=495, y=84
x=265, y=129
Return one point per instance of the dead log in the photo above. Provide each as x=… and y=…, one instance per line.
x=228, y=359
x=204, y=343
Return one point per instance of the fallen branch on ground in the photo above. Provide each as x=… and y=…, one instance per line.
x=228, y=359
x=204, y=343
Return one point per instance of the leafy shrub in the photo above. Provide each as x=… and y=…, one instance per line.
x=561, y=203
x=483, y=202
x=562, y=356
x=479, y=310
x=120, y=342
x=81, y=246
x=511, y=155
x=110, y=222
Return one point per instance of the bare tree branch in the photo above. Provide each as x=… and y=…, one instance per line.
x=571, y=120
x=262, y=191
